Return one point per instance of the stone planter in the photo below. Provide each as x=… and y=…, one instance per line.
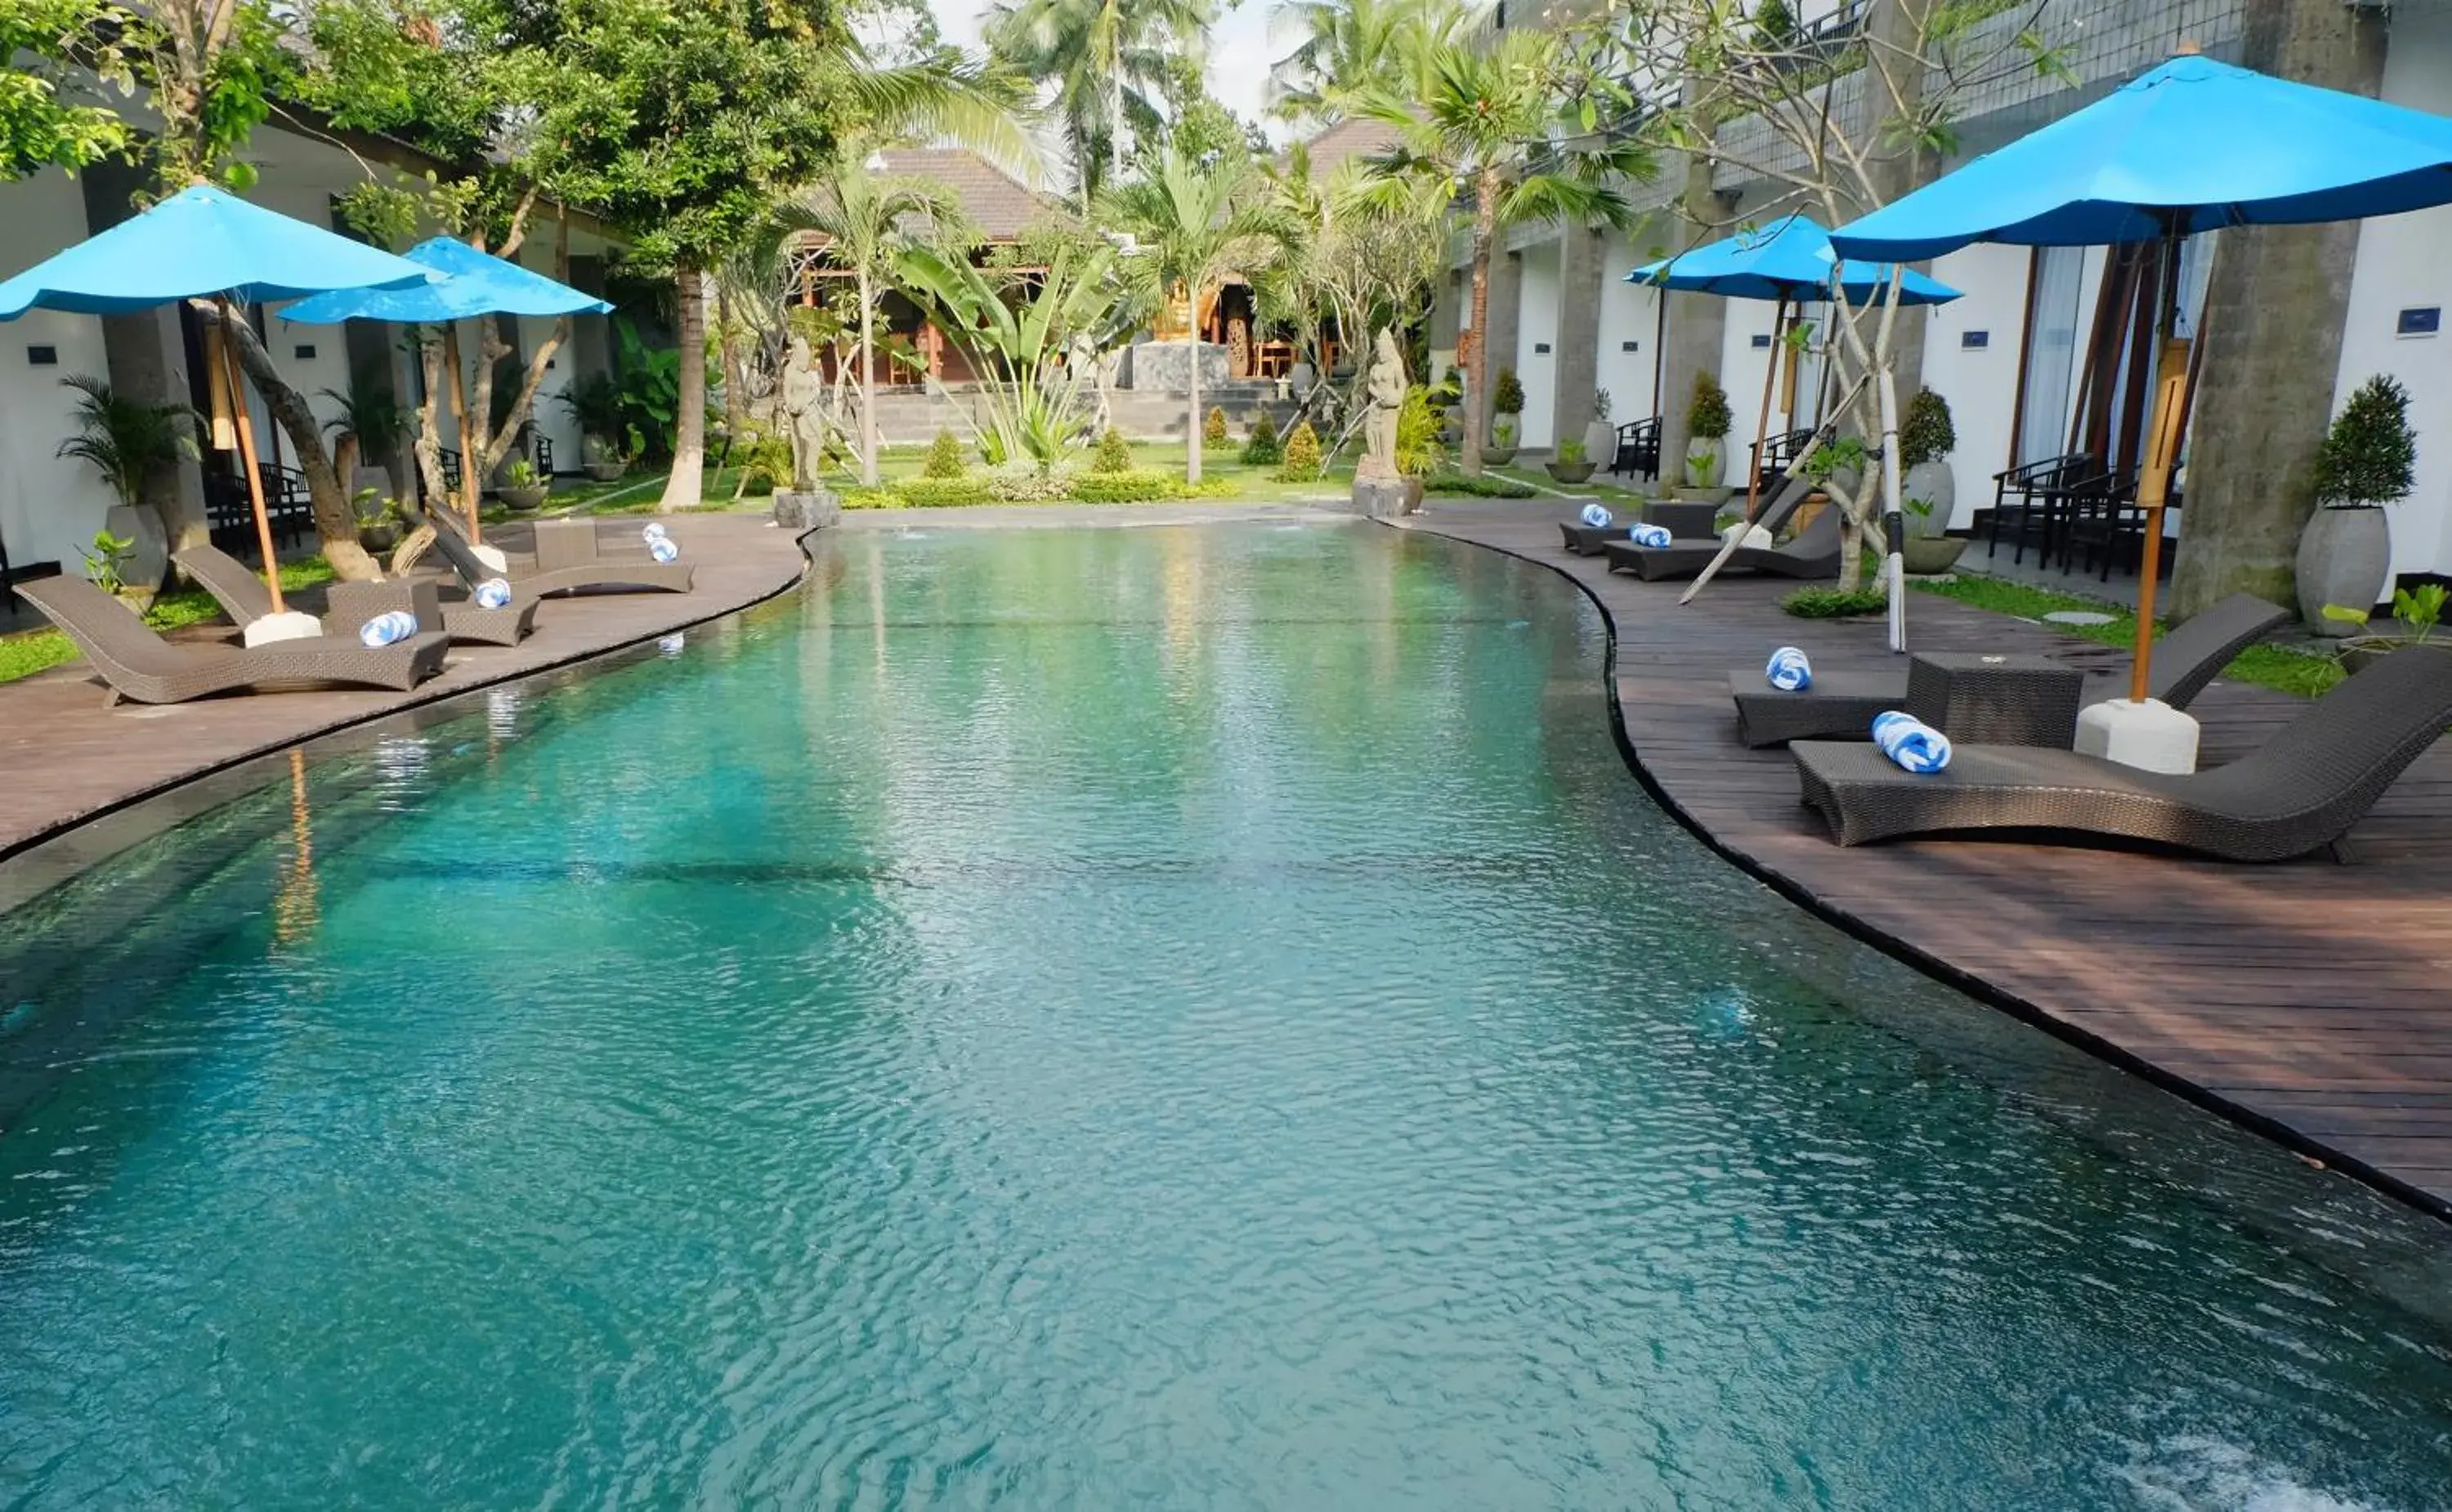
x=606, y=469
x=1498, y=456
x=2344, y=559
x=1600, y=440
x=522, y=501
x=1936, y=484
x=1570, y=472
x=1926, y=556
x=379, y=539
x=1706, y=461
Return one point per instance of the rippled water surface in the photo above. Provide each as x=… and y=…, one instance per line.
x=1189, y=1017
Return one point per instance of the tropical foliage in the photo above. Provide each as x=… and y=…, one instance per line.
x=1106, y=65
x=1033, y=410
x=125, y=440
x=2370, y=455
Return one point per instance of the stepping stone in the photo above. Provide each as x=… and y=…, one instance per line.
x=2078, y=616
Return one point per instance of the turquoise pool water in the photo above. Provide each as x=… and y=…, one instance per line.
x=1190, y=1017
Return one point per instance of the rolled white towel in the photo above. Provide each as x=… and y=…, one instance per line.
x=388, y=628
x=1649, y=535
x=1914, y=745
x=663, y=548
x=494, y=593
x=1597, y=516
x=1789, y=671
x=655, y=531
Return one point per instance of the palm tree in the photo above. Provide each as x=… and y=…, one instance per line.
x=864, y=217
x=127, y=441
x=1108, y=60
x=1502, y=122
x=1347, y=48
x=1195, y=224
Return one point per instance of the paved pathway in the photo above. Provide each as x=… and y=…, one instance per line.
x=2308, y=1000
x=66, y=757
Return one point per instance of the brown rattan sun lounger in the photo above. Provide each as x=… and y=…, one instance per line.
x=1687, y=517
x=1813, y=554
x=2301, y=791
x=567, y=560
x=1841, y=702
x=141, y=666
x=243, y=597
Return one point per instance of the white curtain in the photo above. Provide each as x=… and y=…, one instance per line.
x=2051, y=354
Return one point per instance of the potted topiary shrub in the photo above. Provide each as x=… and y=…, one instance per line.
x=1570, y=465
x=2345, y=551
x=1506, y=408
x=522, y=489
x=1448, y=399
x=1925, y=440
x=1707, y=434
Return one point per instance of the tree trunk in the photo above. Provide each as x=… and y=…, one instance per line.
x=429, y=445
x=689, y=427
x=1485, y=235
x=2273, y=323
x=1192, y=434
x=867, y=380
x=336, y=525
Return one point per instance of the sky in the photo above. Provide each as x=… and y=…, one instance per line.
x=1239, y=51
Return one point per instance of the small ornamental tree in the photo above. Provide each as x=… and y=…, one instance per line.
x=1506, y=394
x=1302, y=461
x=1261, y=448
x=1215, y=431
x=945, y=458
x=1706, y=413
x=1114, y=455
x=2370, y=454
x=1926, y=433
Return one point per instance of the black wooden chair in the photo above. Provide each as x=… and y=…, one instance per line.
x=2024, y=499
x=1638, y=448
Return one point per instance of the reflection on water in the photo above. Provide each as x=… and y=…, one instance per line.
x=1186, y=1017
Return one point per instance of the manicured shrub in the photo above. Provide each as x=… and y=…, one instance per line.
x=1302, y=460
x=1138, y=485
x=921, y=493
x=1488, y=485
x=1113, y=456
x=945, y=458
x=1926, y=434
x=1706, y=413
x=1506, y=394
x=1214, y=432
x=1834, y=603
x=1262, y=448
x=2369, y=455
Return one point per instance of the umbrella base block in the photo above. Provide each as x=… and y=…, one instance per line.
x=289, y=626
x=2151, y=737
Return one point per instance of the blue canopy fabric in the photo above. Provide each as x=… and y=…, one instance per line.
x=2190, y=146
x=476, y=283
x=1790, y=259
x=199, y=243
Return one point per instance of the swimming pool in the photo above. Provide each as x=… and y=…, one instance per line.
x=1191, y=1017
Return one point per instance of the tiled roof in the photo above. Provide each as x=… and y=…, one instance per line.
x=997, y=204
x=1349, y=138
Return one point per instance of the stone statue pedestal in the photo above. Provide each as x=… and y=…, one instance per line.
x=1167, y=366
x=1384, y=498
x=816, y=511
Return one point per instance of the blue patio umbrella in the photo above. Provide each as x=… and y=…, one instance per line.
x=473, y=283
x=2188, y=146
x=204, y=244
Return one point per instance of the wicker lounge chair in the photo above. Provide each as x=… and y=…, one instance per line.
x=567, y=560
x=244, y=597
x=2301, y=791
x=141, y=666
x=1841, y=702
x=1679, y=516
x=1814, y=553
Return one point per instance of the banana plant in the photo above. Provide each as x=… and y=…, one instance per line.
x=1011, y=331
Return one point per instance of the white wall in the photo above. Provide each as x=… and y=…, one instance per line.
x=2401, y=265
x=48, y=507
x=1536, y=325
x=1742, y=366
x=1628, y=314
x=1981, y=385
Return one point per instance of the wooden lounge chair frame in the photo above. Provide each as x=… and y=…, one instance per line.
x=558, y=568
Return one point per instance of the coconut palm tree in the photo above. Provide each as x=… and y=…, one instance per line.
x=1193, y=225
x=1107, y=59
x=1348, y=48
x=1502, y=122
x=867, y=218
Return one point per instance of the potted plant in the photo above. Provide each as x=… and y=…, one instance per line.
x=1601, y=437
x=129, y=441
x=522, y=489
x=107, y=563
x=1925, y=440
x=1505, y=409
x=595, y=403
x=1706, y=433
x=1570, y=465
x=369, y=422
x=1419, y=450
x=2417, y=611
x=1501, y=449
x=1448, y=399
x=378, y=521
x=2366, y=461
x=1925, y=551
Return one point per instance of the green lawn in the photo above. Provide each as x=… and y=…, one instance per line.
x=2269, y=666
x=31, y=650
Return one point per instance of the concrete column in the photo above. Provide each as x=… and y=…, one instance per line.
x=591, y=336
x=146, y=356
x=1447, y=316
x=1579, y=333
x=1697, y=323
x=1506, y=311
x=2273, y=332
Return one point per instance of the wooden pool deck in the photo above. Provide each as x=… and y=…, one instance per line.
x=63, y=757
x=2308, y=1000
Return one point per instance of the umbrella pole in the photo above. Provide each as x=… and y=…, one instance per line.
x=2154, y=477
x=1762, y=419
x=230, y=377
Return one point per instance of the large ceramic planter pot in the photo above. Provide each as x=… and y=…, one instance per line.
x=1706, y=461
x=1600, y=440
x=1936, y=484
x=1925, y=556
x=1498, y=456
x=524, y=500
x=2344, y=559
x=379, y=539
x=1570, y=472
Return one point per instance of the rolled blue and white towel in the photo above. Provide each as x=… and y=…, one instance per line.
x=663, y=548
x=388, y=628
x=494, y=593
x=1789, y=671
x=1597, y=516
x=1907, y=741
x=1649, y=535
x=655, y=531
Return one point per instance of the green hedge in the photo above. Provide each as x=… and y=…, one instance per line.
x=1486, y=486
x=1139, y=485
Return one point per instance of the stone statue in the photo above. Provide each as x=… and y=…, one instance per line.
x=1384, y=393
x=803, y=399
